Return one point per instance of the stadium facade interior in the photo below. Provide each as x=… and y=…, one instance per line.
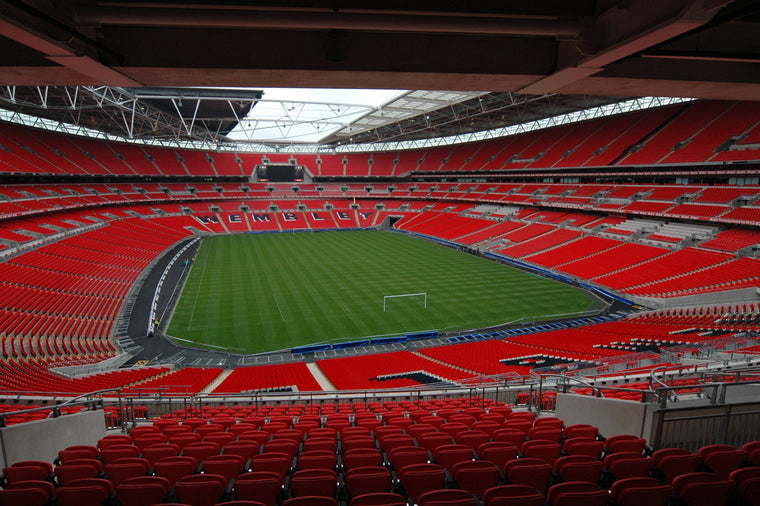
x=128, y=133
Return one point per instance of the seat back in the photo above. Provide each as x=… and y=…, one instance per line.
x=147, y=440
x=625, y=444
x=200, y=489
x=279, y=463
x=368, y=480
x=544, y=450
x=473, y=438
x=403, y=456
x=45, y=486
x=549, y=421
x=113, y=439
x=175, y=468
x=453, y=428
x=220, y=438
x=497, y=452
x=515, y=494
x=378, y=499
x=431, y=441
x=511, y=436
x=750, y=490
x=447, y=497
x=142, y=491
x=310, y=501
x=258, y=436
x=122, y=470
x=209, y=428
x=200, y=451
x=78, y=452
x=391, y=441
x=358, y=441
x=535, y=473
x=116, y=452
x=419, y=429
x=320, y=443
x=314, y=482
x=261, y=486
x=739, y=476
x=156, y=452
x=317, y=459
x=449, y=455
x=573, y=492
x=579, y=468
x=631, y=468
x=584, y=446
x=228, y=466
x=673, y=466
x=487, y=426
x=476, y=476
x=21, y=495
x=66, y=473
x=581, y=430
x=359, y=457
x=420, y=478
x=73, y=495
x=185, y=438
x=707, y=450
x=545, y=434
x=707, y=494
x=724, y=462
x=659, y=495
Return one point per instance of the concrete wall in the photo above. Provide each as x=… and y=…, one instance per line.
x=612, y=416
x=42, y=439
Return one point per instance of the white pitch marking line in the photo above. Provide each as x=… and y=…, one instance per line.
x=278, y=306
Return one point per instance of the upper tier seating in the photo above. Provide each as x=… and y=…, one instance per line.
x=662, y=267
x=573, y=250
x=733, y=240
x=686, y=133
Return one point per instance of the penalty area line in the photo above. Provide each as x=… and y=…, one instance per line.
x=278, y=306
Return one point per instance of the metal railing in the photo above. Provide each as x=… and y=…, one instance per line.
x=167, y=405
x=90, y=401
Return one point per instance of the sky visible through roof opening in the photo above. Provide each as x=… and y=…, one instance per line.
x=300, y=115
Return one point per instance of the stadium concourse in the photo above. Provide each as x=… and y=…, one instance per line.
x=650, y=211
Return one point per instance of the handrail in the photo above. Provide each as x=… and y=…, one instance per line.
x=55, y=411
x=653, y=378
x=564, y=379
x=663, y=386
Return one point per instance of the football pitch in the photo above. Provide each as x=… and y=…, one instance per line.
x=263, y=292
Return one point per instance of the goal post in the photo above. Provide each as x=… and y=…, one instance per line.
x=386, y=297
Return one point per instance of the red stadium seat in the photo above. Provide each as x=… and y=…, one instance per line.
x=367, y=480
x=261, y=486
x=447, y=497
x=513, y=495
x=200, y=489
x=142, y=491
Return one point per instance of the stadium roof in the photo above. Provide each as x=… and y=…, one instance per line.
x=207, y=71
x=278, y=116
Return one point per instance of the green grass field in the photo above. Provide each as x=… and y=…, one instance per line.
x=262, y=292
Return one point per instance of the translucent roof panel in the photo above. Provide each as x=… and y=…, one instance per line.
x=307, y=115
x=294, y=115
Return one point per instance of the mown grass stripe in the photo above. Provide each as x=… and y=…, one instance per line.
x=261, y=292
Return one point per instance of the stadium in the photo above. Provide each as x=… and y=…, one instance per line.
x=255, y=253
